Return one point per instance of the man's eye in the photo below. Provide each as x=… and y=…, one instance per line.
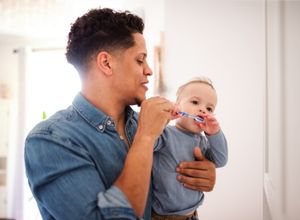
x=194, y=102
x=140, y=61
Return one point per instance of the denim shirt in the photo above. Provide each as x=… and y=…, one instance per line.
x=72, y=161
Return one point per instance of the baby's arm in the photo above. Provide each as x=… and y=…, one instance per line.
x=217, y=150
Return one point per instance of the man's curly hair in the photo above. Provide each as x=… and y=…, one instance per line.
x=101, y=30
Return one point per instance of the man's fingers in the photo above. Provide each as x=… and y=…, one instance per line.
x=196, y=173
x=196, y=183
x=198, y=188
x=164, y=104
x=197, y=165
x=199, y=174
x=193, y=181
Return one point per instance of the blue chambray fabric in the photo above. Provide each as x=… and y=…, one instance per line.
x=72, y=160
x=170, y=197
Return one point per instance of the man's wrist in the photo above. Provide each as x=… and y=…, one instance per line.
x=145, y=139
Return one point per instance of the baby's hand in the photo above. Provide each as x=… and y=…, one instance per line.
x=210, y=125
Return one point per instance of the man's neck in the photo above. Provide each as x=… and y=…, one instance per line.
x=96, y=91
x=108, y=105
x=111, y=108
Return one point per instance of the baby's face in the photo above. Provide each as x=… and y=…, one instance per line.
x=196, y=99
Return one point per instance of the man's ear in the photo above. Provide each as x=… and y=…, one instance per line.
x=104, y=61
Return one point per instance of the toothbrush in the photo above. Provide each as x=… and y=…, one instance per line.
x=196, y=118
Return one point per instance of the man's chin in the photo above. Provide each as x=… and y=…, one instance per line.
x=138, y=101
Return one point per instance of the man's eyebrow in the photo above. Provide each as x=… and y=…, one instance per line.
x=144, y=55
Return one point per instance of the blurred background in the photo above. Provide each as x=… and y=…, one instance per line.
x=249, y=48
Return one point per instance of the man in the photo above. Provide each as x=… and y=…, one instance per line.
x=94, y=159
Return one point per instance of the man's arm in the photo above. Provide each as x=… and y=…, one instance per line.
x=59, y=170
x=197, y=175
x=134, y=180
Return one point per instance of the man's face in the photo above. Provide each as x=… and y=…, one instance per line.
x=131, y=72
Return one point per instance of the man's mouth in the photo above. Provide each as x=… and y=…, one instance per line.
x=145, y=85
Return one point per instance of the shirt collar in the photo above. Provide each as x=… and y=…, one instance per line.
x=95, y=116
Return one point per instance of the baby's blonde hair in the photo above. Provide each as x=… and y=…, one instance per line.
x=201, y=79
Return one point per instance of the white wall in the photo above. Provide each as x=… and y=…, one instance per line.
x=225, y=41
x=9, y=77
x=292, y=141
x=282, y=179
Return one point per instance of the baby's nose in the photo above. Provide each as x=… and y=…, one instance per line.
x=202, y=111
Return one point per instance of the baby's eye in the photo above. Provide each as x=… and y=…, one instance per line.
x=194, y=102
x=209, y=109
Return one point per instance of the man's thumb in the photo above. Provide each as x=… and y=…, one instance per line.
x=198, y=154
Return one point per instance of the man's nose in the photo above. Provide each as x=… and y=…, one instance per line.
x=148, y=70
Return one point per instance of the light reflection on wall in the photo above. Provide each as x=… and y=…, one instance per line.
x=51, y=84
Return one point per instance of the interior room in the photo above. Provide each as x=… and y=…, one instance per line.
x=250, y=49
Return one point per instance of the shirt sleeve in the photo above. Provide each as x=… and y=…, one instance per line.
x=114, y=204
x=217, y=150
x=66, y=183
x=160, y=142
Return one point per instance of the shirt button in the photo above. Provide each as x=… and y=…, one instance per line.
x=108, y=122
x=100, y=127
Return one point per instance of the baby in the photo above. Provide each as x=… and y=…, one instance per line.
x=170, y=198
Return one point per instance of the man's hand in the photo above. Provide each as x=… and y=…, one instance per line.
x=154, y=115
x=197, y=175
x=134, y=180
